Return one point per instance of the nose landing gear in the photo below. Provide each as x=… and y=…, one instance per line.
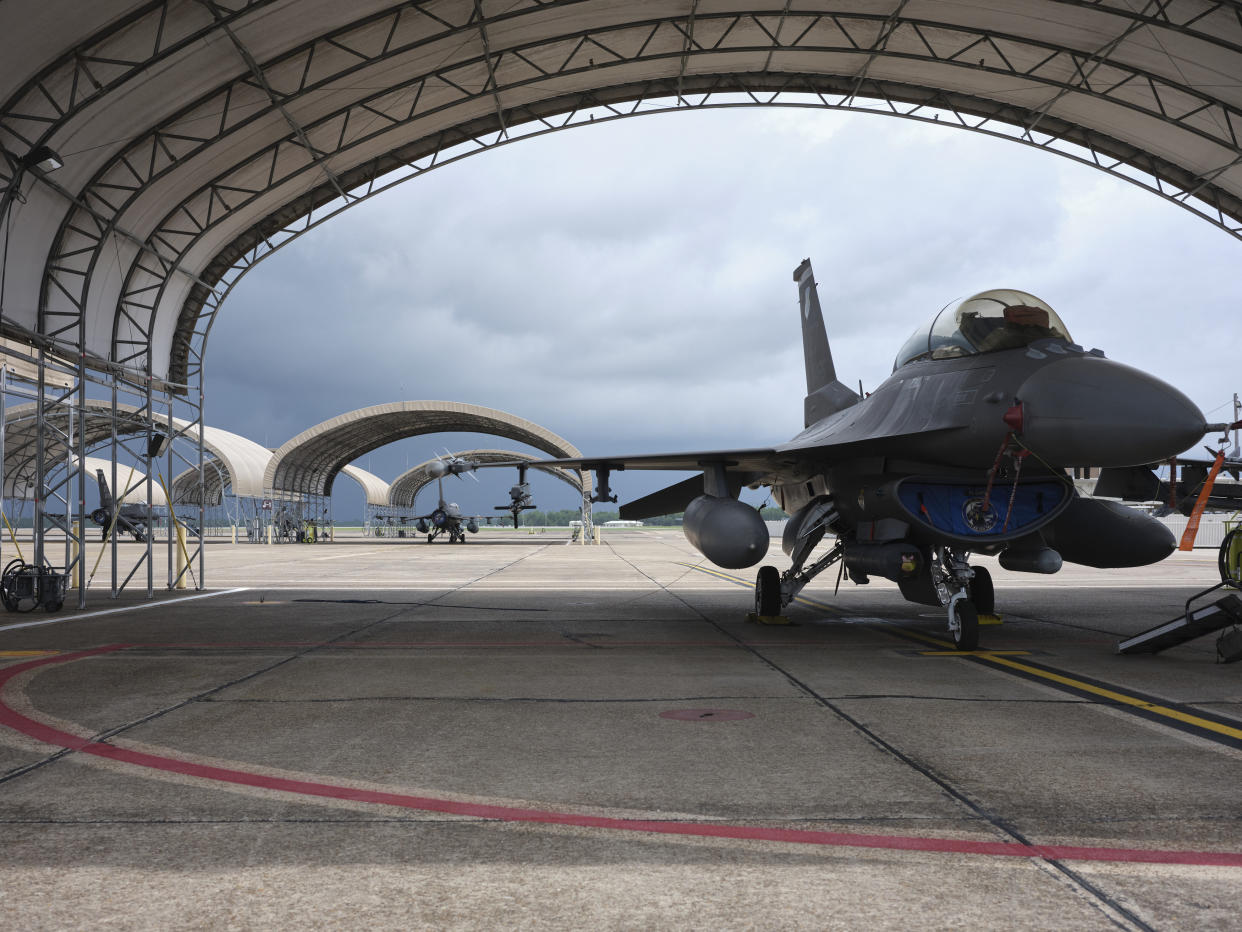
x=961, y=588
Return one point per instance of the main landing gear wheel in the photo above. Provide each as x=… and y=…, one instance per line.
x=768, y=592
x=964, y=625
x=982, y=592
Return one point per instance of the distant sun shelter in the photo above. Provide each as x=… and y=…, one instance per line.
x=306, y=467
x=232, y=465
x=405, y=488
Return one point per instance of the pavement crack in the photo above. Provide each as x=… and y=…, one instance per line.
x=1114, y=911
x=205, y=695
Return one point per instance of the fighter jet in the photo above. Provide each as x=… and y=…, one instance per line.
x=1142, y=484
x=962, y=450
x=447, y=517
x=519, y=498
x=132, y=519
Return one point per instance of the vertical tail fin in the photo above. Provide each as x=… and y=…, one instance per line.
x=825, y=394
x=105, y=497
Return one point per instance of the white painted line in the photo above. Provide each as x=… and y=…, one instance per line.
x=474, y=590
x=128, y=608
x=342, y=556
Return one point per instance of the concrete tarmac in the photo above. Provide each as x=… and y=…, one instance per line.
x=520, y=733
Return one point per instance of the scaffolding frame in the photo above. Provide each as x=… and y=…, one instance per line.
x=58, y=432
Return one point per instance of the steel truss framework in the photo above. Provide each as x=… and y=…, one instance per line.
x=128, y=260
x=44, y=445
x=449, y=78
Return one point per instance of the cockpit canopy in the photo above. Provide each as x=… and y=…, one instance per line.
x=988, y=322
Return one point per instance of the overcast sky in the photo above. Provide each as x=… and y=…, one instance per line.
x=628, y=285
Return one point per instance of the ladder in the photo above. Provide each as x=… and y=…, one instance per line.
x=1223, y=613
x=1220, y=614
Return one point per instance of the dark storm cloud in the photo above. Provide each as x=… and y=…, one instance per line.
x=628, y=286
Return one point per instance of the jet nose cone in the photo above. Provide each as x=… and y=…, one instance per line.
x=1090, y=411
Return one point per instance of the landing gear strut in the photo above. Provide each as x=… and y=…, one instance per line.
x=774, y=589
x=956, y=583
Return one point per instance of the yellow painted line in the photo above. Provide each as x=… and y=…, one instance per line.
x=831, y=609
x=1132, y=701
x=28, y=653
x=975, y=653
x=927, y=638
x=997, y=657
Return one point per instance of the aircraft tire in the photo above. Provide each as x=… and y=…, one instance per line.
x=982, y=592
x=768, y=592
x=1230, y=560
x=430, y=538
x=966, y=637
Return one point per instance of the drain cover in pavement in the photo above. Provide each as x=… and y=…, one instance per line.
x=706, y=715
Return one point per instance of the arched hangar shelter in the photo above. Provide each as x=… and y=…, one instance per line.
x=241, y=460
x=307, y=465
x=219, y=477
x=156, y=149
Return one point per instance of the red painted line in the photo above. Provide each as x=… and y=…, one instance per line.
x=13, y=719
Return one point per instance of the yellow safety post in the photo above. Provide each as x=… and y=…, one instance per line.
x=183, y=555
x=598, y=535
x=75, y=549
x=234, y=533
x=269, y=533
x=13, y=537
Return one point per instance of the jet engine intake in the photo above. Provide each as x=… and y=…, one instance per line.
x=811, y=520
x=896, y=561
x=728, y=532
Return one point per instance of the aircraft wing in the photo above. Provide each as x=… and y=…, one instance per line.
x=796, y=461
x=791, y=462
x=761, y=461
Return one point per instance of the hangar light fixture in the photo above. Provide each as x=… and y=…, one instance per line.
x=42, y=158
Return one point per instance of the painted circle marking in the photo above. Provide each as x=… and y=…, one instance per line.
x=48, y=734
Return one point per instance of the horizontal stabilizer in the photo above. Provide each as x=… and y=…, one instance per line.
x=673, y=499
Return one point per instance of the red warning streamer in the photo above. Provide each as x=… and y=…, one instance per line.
x=1192, y=526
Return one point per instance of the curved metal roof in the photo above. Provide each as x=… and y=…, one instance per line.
x=127, y=477
x=373, y=487
x=405, y=488
x=243, y=460
x=198, y=137
x=215, y=480
x=309, y=463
